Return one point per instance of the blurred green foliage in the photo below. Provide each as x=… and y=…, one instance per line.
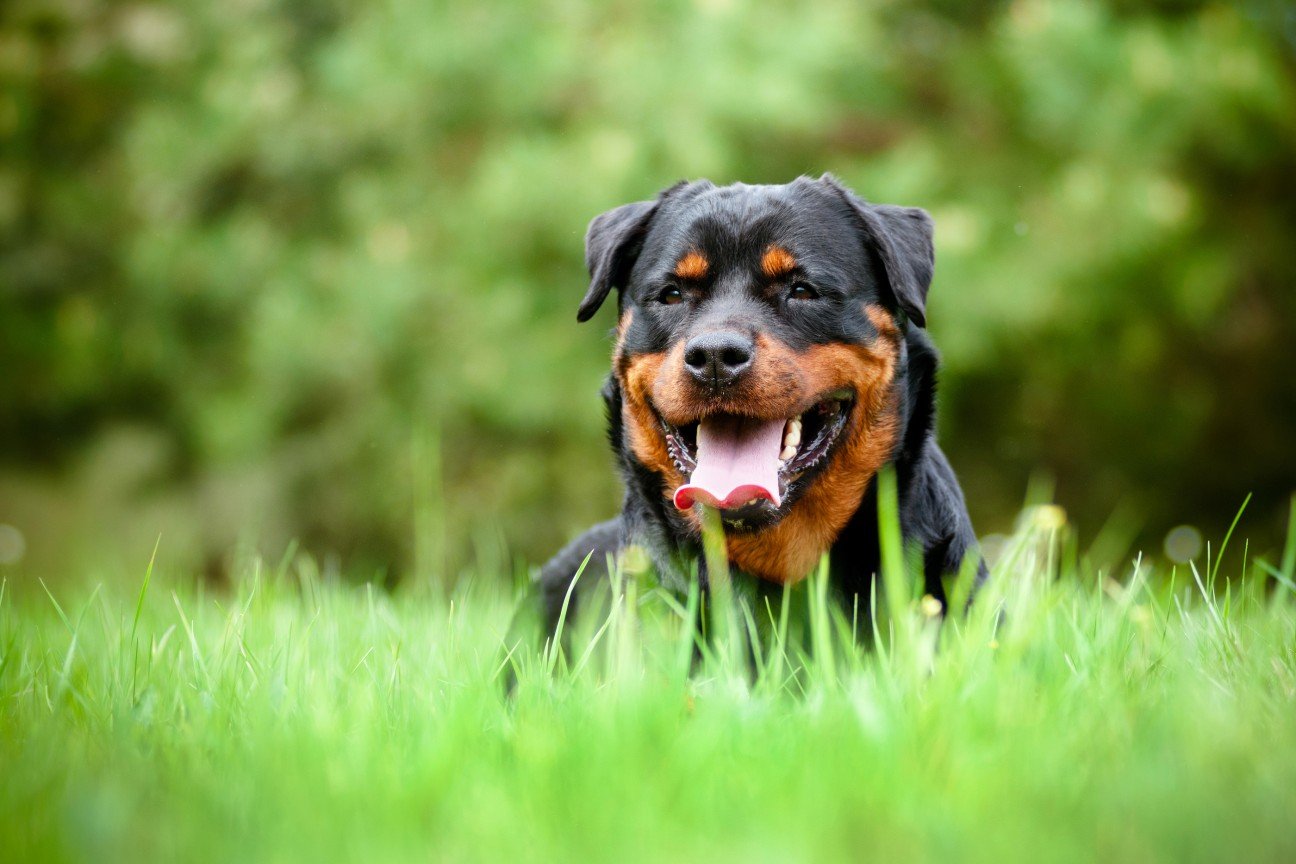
x=276, y=269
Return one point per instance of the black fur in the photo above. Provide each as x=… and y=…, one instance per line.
x=852, y=253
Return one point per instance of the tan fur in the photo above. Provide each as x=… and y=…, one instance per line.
x=644, y=433
x=777, y=262
x=882, y=321
x=693, y=265
x=623, y=325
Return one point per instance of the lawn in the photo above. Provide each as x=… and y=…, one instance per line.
x=1124, y=715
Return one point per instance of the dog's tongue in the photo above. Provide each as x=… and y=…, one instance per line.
x=737, y=460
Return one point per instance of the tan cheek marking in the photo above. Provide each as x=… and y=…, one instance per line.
x=882, y=321
x=670, y=388
x=627, y=318
x=777, y=262
x=644, y=432
x=692, y=266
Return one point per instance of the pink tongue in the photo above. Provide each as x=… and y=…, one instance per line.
x=737, y=460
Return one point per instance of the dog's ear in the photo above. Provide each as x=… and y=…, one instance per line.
x=902, y=238
x=612, y=243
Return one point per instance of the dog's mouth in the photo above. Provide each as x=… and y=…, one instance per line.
x=745, y=466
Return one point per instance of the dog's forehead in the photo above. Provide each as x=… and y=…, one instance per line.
x=742, y=220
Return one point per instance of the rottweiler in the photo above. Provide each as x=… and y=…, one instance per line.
x=770, y=360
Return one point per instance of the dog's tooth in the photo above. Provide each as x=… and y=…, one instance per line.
x=788, y=452
x=792, y=438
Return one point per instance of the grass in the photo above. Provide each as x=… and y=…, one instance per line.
x=1132, y=715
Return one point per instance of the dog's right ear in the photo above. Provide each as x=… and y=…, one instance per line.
x=902, y=238
x=612, y=243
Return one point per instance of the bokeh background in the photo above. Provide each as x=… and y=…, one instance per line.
x=306, y=270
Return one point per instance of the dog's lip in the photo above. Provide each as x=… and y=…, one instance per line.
x=830, y=412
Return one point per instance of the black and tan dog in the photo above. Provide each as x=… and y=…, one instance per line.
x=770, y=358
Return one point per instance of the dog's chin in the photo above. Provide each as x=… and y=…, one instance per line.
x=755, y=516
x=823, y=427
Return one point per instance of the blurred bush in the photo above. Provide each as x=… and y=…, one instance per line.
x=275, y=269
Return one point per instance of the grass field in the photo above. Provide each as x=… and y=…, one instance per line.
x=1123, y=716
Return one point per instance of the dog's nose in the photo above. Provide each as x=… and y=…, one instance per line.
x=719, y=358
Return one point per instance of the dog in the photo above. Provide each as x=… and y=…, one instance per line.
x=770, y=360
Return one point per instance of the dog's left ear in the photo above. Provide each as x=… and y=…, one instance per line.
x=612, y=242
x=902, y=237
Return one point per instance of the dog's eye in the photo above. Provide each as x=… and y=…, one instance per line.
x=670, y=295
x=802, y=291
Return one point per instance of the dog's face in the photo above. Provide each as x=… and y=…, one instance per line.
x=759, y=353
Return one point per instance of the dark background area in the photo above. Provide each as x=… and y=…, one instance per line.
x=276, y=270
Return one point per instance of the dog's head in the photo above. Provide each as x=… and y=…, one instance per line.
x=759, y=352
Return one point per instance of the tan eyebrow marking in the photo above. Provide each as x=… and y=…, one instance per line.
x=777, y=262
x=692, y=266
